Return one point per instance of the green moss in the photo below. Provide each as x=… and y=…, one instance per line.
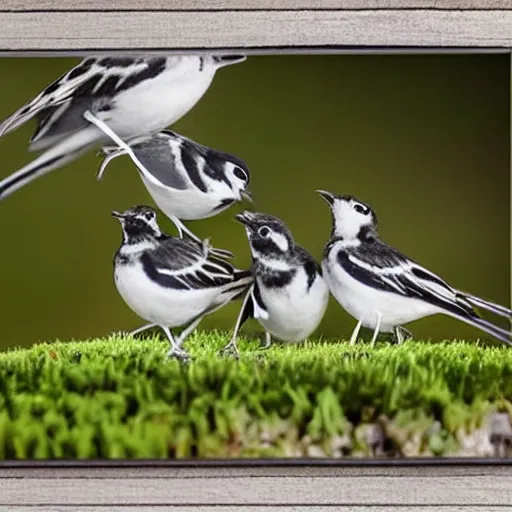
x=121, y=398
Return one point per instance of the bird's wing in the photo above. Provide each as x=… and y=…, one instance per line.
x=162, y=160
x=165, y=159
x=384, y=268
x=259, y=310
x=95, y=81
x=186, y=265
x=311, y=266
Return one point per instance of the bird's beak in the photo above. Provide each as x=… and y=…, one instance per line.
x=247, y=195
x=327, y=196
x=245, y=218
x=227, y=60
x=118, y=215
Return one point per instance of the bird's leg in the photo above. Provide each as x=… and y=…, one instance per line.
x=407, y=333
x=231, y=348
x=175, y=350
x=141, y=329
x=188, y=330
x=355, y=333
x=377, y=329
x=91, y=118
x=268, y=341
x=401, y=334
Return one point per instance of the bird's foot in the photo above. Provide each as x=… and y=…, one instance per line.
x=267, y=343
x=108, y=156
x=401, y=334
x=230, y=350
x=180, y=354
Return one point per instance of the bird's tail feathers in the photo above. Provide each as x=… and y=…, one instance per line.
x=234, y=290
x=488, y=306
x=53, y=158
x=40, y=166
x=243, y=275
x=242, y=280
x=499, y=333
x=222, y=254
x=16, y=119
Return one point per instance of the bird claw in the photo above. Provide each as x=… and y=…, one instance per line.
x=267, y=342
x=178, y=353
x=230, y=350
x=401, y=334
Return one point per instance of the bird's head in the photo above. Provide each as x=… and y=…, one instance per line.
x=351, y=217
x=138, y=223
x=268, y=236
x=238, y=175
x=225, y=175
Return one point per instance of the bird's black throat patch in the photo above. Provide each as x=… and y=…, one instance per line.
x=272, y=278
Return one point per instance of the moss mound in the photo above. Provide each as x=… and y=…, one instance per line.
x=121, y=398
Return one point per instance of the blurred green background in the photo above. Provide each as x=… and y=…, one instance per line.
x=425, y=139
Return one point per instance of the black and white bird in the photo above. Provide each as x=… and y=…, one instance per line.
x=187, y=181
x=169, y=281
x=289, y=295
x=381, y=287
x=133, y=95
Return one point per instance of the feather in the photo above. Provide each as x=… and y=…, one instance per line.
x=90, y=85
x=184, y=264
x=487, y=305
x=384, y=268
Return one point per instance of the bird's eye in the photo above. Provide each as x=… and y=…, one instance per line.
x=240, y=174
x=150, y=216
x=264, y=231
x=360, y=208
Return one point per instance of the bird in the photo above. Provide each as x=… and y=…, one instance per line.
x=381, y=287
x=170, y=281
x=289, y=295
x=133, y=95
x=187, y=181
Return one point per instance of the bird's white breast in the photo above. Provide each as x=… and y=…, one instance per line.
x=294, y=312
x=190, y=204
x=363, y=301
x=156, y=304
